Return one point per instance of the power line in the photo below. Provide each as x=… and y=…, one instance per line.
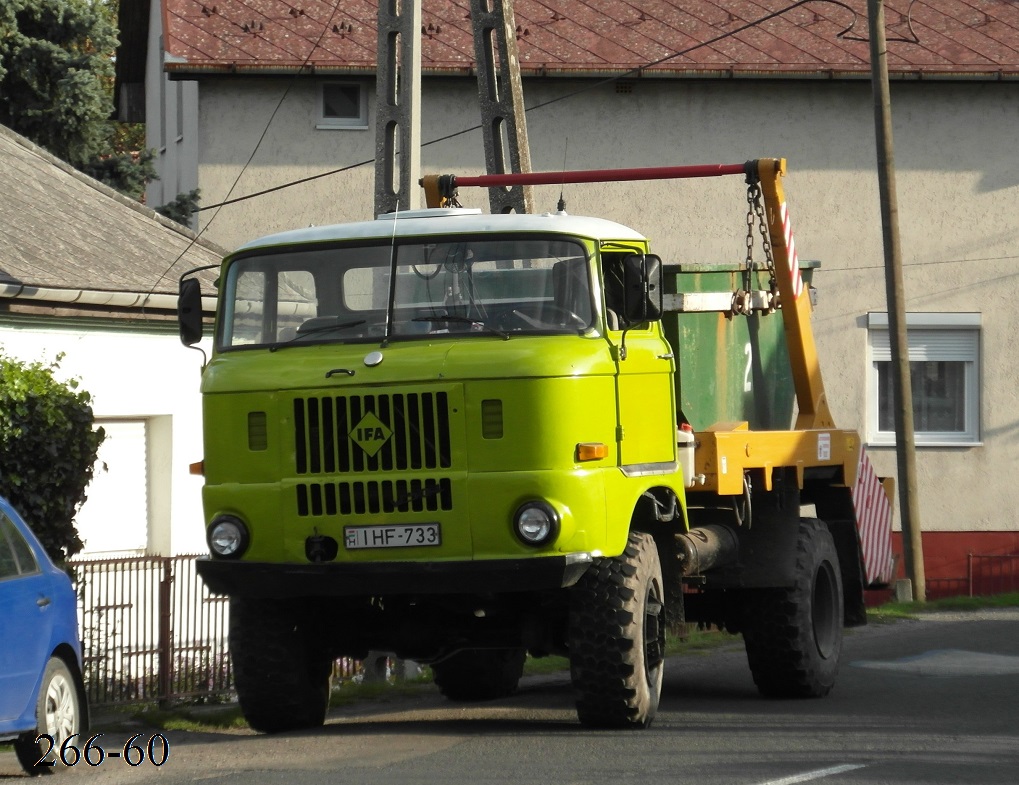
x=927, y=263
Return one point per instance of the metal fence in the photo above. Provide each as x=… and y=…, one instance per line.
x=986, y=575
x=941, y=588
x=152, y=632
x=993, y=573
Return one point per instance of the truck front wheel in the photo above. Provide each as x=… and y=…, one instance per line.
x=280, y=672
x=617, y=638
x=793, y=636
x=479, y=674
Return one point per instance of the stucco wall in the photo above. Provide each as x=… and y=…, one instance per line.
x=171, y=129
x=135, y=375
x=958, y=194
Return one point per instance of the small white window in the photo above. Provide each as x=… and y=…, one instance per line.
x=343, y=105
x=944, y=364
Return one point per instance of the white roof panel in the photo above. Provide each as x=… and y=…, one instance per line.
x=445, y=221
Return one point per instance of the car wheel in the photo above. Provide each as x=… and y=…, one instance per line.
x=58, y=714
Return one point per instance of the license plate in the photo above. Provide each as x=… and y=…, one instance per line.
x=408, y=535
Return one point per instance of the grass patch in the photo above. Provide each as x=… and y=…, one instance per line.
x=911, y=610
x=697, y=641
x=541, y=666
x=380, y=691
x=177, y=718
x=694, y=641
x=188, y=719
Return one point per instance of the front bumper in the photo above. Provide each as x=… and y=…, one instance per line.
x=266, y=579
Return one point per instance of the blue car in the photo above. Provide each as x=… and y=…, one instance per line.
x=41, y=688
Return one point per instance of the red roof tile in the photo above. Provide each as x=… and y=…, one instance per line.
x=681, y=37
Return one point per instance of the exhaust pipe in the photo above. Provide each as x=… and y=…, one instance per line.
x=705, y=547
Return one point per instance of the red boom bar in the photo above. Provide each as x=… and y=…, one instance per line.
x=603, y=175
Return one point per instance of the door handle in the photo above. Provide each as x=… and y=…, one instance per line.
x=668, y=356
x=42, y=602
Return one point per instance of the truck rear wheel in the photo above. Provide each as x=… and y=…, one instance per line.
x=793, y=636
x=281, y=675
x=480, y=674
x=617, y=638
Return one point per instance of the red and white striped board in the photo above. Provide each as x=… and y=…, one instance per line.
x=873, y=523
x=790, y=244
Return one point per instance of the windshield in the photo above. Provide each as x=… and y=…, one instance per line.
x=488, y=286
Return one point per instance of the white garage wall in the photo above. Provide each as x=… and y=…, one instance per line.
x=138, y=378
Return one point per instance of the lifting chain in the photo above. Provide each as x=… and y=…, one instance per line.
x=742, y=301
x=752, y=188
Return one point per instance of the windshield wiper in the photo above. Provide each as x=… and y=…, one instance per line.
x=462, y=320
x=327, y=326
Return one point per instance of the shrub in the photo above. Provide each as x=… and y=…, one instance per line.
x=48, y=448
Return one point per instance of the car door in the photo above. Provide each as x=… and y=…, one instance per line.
x=25, y=622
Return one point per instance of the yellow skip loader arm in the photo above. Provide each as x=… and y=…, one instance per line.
x=796, y=308
x=726, y=450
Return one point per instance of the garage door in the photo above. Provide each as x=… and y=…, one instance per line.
x=114, y=518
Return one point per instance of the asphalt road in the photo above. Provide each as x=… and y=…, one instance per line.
x=933, y=701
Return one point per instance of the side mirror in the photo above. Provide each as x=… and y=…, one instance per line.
x=642, y=288
x=189, y=311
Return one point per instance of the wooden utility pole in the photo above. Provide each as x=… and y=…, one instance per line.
x=902, y=390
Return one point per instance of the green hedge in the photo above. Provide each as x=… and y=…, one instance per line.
x=48, y=447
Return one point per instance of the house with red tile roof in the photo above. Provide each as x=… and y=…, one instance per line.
x=268, y=106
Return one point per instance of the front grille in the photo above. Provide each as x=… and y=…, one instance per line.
x=359, y=498
x=371, y=433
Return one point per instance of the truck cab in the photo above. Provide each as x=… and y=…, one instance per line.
x=437, y=386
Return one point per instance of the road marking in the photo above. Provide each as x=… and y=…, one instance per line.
x=948, y=662
x=816, y=775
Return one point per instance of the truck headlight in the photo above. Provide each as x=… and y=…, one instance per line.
x=536, y=523
x=227, y=537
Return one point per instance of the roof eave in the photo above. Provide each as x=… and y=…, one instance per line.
x=94, y=297
x=195, y=70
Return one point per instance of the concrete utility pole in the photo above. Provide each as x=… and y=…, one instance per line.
x=902, y=394
x=501, y=95
x=398, y=110
x=397, y=133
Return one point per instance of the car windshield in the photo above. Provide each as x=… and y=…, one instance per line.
x=355, y=293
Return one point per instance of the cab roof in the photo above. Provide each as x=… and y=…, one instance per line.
x=447, y=221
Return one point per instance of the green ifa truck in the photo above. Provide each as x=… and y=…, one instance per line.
x=466, y=439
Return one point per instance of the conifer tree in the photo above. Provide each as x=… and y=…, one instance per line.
x=56, y=86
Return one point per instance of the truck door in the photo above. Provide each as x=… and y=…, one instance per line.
x=646, y=425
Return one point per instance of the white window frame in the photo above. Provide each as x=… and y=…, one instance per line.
x=931, y=336
x=359, y=123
